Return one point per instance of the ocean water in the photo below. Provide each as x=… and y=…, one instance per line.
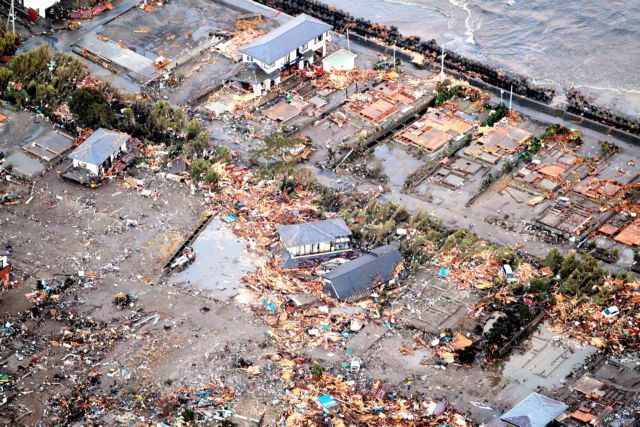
x=593, y=45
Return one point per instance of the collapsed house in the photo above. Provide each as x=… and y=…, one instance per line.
x=534, y=410
x=354, y=279
x=98, y=154
x=314, y=239
x=294, y=43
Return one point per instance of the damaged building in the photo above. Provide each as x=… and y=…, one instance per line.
x=97, y=155
x=314, y=239
x=354, y=279
x=295, y=43
x=534, y=410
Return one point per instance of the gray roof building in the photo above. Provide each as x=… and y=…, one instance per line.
x=534, y=410
x=357, y=277
x=101, y=145
x=286, y=38
x=309, y=233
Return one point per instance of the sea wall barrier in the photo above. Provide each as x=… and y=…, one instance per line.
x=579, y=109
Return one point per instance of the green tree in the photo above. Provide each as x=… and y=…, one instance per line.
x=568, y=265
x=554, y=260
x=91, y=109
x=193, y=129
x=8, y=43
x=197, y=145
x=198, y=167
x=212, y=176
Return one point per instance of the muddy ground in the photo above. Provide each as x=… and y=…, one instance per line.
x=124, y=239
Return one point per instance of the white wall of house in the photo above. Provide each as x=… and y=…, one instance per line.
x=100, y=169
x=318, y=43
x=94, y=169
x=317, y=248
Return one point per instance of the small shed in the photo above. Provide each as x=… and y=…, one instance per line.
x=341, y=60
x=357, y=277
x=534, y=410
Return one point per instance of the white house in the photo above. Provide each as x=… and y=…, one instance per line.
x=98, y=152
x=313, y=239
x=295, y=42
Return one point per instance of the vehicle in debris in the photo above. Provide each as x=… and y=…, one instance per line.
x=508, y=274
x=611, y=312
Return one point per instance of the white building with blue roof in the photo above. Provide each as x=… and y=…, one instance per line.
x=295, y=42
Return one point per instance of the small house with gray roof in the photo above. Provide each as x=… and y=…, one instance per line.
x=535, y=410
x=356, y=278
x=99, y=151
x=295, y=42
x=313, y=239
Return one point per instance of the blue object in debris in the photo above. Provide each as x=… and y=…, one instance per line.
x=349, y=350
x=230, y=218
x=443, y=272
x=269, y=305
x=327, y=402
x=325, y=327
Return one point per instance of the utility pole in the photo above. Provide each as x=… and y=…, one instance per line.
x=501, y=92
x=348, y=42
x=11, y=18
x=442, y=63
x=394, y=55
x=510, y=97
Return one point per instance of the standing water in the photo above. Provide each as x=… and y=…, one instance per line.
x=589, y=44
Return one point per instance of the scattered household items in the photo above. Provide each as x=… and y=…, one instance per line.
x=5, y=268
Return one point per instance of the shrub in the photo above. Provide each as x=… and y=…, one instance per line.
x=198, y=167
x=91, y=109
x=554, y=260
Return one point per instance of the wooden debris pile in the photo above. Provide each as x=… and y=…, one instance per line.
x=584, y=320
x=331, y=400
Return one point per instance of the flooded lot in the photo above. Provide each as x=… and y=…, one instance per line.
x=398, y=164
x=221, y=261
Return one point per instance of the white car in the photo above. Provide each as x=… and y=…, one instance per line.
x=610, y=312
x=508, y=274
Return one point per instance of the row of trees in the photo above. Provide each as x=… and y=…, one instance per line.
x=44, y=81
